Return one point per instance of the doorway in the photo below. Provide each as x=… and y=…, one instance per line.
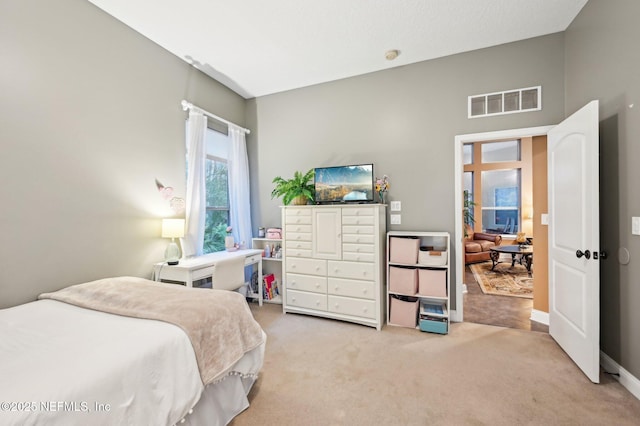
x=471, y=297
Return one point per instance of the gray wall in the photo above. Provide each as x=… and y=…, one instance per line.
x=602, y=61
x=404, y=120
x=90, y=115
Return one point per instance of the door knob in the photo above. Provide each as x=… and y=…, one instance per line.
x=586, y=254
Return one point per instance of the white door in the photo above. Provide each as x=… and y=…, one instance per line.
x=574, y=238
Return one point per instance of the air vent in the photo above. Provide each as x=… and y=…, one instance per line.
x=507, y=102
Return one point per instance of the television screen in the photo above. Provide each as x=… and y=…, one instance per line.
x=343, y=184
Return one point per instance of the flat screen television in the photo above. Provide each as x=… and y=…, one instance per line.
x=344, y=184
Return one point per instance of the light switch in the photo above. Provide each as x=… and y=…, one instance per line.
x=544, y=219
x=635, y=225
x=396, y=219
x=396, y=206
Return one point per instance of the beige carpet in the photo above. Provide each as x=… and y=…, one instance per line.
x=326, y=372
x=505, y=280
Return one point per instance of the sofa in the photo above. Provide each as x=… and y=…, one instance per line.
x=477, y=245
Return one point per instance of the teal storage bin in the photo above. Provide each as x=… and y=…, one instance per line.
x=434, y=326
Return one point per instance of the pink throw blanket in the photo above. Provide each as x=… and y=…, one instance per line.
x=218, y=322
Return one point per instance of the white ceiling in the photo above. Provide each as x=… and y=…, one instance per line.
x=260, y=47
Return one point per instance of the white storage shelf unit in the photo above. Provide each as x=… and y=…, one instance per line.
x=270, y=265
x=418, y=280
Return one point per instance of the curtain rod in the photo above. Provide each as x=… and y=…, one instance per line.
x=188, y=105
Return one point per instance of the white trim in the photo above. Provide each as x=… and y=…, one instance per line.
x=458, y=235
x=453, y=316
x=539, y=316
x=626, y=379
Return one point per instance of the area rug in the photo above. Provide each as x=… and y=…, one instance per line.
x=504, y=281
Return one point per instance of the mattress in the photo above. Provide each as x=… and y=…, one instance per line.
x=65, y=365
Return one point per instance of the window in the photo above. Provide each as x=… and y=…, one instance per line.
x=497, y=176
x=501, y=201
x=217, y=190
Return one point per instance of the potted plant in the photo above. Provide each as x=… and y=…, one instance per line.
x=467, y=211
x=298, y=189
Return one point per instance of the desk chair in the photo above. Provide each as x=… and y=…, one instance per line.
x=228, y=274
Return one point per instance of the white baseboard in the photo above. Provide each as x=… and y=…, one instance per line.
x=539, y=316
x=626, y=379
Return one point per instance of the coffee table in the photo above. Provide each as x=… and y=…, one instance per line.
x=524, y=251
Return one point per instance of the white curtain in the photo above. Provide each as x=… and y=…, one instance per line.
x=239, y=199
x=196, y=194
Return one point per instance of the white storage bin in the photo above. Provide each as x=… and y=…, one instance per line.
x=432, y=257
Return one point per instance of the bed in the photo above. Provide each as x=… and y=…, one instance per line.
x=128, y=351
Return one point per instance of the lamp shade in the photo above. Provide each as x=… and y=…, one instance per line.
x=172, y=228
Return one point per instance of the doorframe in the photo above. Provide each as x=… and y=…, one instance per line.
x=459, y=141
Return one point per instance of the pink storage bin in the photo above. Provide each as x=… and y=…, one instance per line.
x=403, y=280
x=404, y=250
x=432, y=282
x=403, y=313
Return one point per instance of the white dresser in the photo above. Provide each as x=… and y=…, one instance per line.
x=334, y=262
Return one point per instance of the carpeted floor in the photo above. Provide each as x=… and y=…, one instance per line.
x=326, y=372
x=504, y=280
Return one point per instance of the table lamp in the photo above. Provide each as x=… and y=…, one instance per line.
x=172, y=228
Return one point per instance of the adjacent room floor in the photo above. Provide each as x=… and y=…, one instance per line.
x=504, y=311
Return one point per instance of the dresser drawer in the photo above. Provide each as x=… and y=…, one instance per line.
x=358, y=211
x=297, y=236
x=356, y=307
x=357, y=229
x=296, y=244
x=358, y=248
x=296, y=227
x=306, y=266
x=303, y=299
x=358, y=239
x=351, y=288
x=295, y=252
x=298, y=216
x=357, y=220
x=310, y=283
x=358, y=257
x=354, y=270
x=296, y=212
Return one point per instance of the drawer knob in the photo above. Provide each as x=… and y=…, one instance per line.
x=337, y=306
x=293, y=299
x=364, y=309
x=293, y=283
x=337, y=288
x=336, y=270
x=317, y=268
x=364, y=291
x=317, y=303
x=317, y=285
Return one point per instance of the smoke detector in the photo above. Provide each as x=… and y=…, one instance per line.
x=391, y=54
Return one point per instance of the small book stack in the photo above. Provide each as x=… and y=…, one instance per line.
x=269, y=287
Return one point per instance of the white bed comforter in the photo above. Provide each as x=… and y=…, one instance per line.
x=65, y=365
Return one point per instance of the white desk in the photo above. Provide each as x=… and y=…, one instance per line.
x=199, y=267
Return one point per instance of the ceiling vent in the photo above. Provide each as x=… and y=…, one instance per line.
x=507, y=102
